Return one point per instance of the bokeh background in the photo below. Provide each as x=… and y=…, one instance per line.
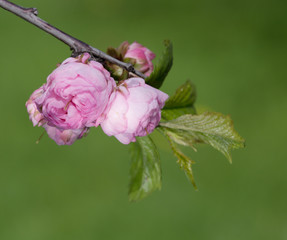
x=233, y=51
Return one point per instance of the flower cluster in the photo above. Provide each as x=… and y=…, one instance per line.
x=80, y=94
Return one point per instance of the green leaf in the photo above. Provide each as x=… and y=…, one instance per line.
x=169, y=114
x=162, y=67
x=211, y=128
x=181, y=103
x=184, y=96
x=181, y=137
x=145, y=171
x=184, y=162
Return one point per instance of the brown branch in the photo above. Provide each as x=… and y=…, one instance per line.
x=77, y=46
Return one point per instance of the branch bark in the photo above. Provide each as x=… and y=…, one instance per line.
x=77, y=46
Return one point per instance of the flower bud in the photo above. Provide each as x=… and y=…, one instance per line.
x=140, y=56
x=134, y=110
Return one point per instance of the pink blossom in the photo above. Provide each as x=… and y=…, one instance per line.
x=65, y=137
x=35, y=116
x=135, y=110
x=76, y=94
x=142, y=56
x=61, y=137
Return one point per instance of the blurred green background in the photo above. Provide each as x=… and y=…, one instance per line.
x=233, y=51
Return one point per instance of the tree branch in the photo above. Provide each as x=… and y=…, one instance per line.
x=77, y=46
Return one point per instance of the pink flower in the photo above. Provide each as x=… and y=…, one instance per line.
x=34, y=115
x=135, y=110
x=61, y=137
x=65, y=137
x=142, y=56
x=76, y=94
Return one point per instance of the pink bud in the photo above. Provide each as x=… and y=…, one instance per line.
x=134, y=110
x=76, y=94
x=65, y=137
x=142, y=56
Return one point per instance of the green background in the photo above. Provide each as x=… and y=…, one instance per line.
x=233, y=51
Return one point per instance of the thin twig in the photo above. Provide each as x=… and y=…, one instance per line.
x=77, y=46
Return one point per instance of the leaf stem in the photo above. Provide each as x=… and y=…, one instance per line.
x=77, y=46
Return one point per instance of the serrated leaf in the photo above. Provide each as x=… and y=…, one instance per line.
x=184, y=162
x=145, y=171
x=211, y=128
x=184, y=96
x=162, y=67
x=181, y=103
x=181, y=137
